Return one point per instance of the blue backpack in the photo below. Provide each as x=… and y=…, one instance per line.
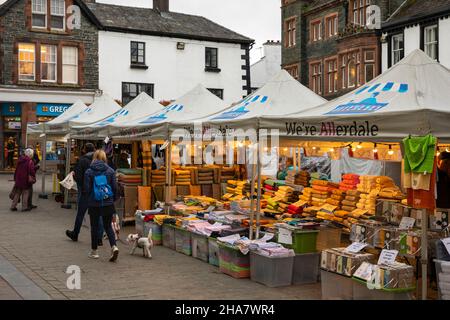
x=102, y=190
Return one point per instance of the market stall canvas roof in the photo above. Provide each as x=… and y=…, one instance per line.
x=411, y=98
x=279, y=96
x=141, y=106
x=197, y=103
x=77, y=108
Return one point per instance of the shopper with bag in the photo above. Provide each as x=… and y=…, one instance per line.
x=36, y=162
x=24, y=178
x=100, y=187
x=82, y=201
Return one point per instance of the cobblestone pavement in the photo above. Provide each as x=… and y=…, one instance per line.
x=35, y=244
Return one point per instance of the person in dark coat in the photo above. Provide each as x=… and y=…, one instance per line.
x=24, y=178
x=443, y=182
x=36, y=162
x=103, y=209
x=80, y=169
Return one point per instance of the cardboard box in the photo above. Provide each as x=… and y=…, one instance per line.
x=131, y=201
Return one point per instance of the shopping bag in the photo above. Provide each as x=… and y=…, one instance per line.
x=69, y=182
x=13, y=192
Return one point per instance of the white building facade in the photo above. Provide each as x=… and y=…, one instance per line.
x=166, y=54
x=421, y=25
x=268, y=66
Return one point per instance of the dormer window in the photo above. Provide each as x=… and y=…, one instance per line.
x=57, y=10
x=40, y=18
x=39, y=13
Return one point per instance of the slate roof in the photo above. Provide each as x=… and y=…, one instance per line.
x=172, y=24
x=414, y=10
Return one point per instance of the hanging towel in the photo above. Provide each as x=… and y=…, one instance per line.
x=419, y=154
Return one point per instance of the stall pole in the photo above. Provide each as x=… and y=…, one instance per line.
x=295, y=159
x=252, y=195
x=424, y=252
x=299, y=158
x=168, y=172
x=258, y=201
x=66, y=204
x=43, y=194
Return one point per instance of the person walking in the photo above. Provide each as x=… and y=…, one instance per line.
x=24, y=178
x=100, y=187
x=36, y=162
x=82, y=201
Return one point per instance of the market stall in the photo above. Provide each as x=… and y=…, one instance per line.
x=405, y=108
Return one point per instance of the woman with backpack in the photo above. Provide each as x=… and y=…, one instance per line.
x=100, y=187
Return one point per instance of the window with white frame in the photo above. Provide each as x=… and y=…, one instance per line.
x=369, y=65
x=48, y=63
x=332, y=74
x=343, y=73
x=316, y=77
x=316, y=30
x=27, y=59
x=331, y=26
x=430, y=41
x=398, y=47
x=359, y=8
x=57, y=11
x=70, y=65
x=352, y=73
x=290, y=33
x=39, y=13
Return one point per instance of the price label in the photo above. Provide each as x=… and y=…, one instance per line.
x=356, y=247
x=388, y=257
x=446, y=243
x=284, y=236
x=407, y=223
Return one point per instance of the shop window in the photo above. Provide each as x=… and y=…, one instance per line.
x=27, y=58
x=293, y=71
x=211, y=59
x=57, y=11
x=290, y=34
x=137, y=53
x=430, y=41
x=48, y=63
x=217, y=92
x=316, y=78
x=316, y=31
x=331, y=24
x=332, y=76
x=398, y=48
x=132, y=90
x=39, y=13
x=358, y=11
x=70, y=65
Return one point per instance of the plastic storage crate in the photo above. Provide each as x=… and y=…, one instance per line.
x=329, y=237
x=143, y=228
x=168, y=236
x=362, y=292
x=232, y=262
x=443, y=277
x=306, y=268
x=303, y=241
x=271, y=271
x=200, y=247
x=335, y=286
x=183, y=241
x=213, y=252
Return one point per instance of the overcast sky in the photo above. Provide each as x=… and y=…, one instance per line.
x=256, y=19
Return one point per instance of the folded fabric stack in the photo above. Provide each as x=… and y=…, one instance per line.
x=302, y=178
x=349, y=182
x=321, y=191
x=317, y=176
x=387, y=188
x=366, y=184
x=336, y=198
x=158, y=176
x=235, y=187
x=307, y=195
x=351, y=200
x=227, y=173
x=272, y=206
x=284, y=193
x=182, y=177
x=269, y=191
x=130, y=177
x=205, y=175
x=367, y=203
x=248, y=188
x=294, y=209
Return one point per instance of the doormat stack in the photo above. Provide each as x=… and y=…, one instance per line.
x=158, y=177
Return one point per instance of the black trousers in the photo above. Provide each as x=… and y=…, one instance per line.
x=106, y=214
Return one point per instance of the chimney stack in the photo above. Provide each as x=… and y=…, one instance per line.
x=161, y=5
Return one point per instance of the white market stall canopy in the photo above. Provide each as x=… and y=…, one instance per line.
x=141, y=106
x=411, y=98
x=74, y=110
x=197, y=103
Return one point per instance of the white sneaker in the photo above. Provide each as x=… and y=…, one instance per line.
x=93, y=254
x=114, y=254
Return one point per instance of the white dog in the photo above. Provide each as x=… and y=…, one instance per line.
x=145, y=243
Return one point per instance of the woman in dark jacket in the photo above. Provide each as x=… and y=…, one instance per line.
x=101, y=208
x=24, y=178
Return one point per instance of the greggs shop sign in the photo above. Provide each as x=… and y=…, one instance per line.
x=50, y=109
